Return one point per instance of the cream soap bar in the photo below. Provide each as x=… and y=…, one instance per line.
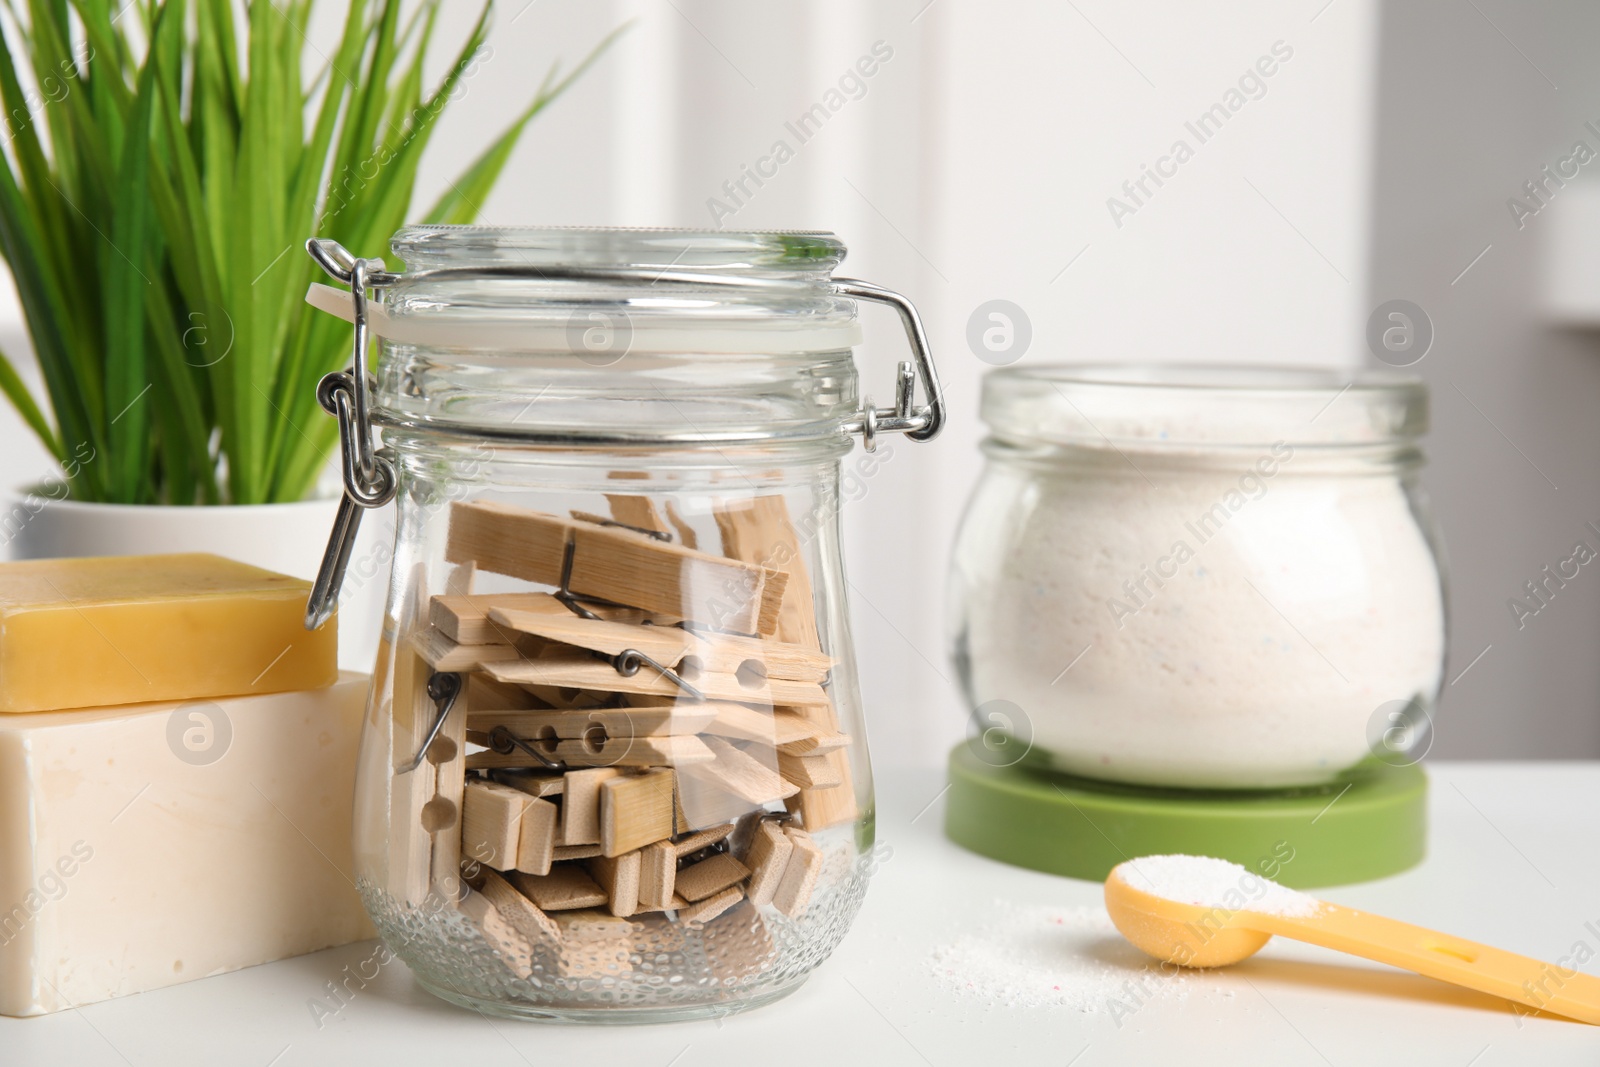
x=145, y=846
x=80, y=633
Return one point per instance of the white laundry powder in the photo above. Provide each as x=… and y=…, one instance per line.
x=1257, y=647
x=1040, y=956
x=1032, y=956
x=1213, y=883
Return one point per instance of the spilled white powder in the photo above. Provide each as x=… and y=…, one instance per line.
x=1213, y=883
x=1039, y=956
x=1042, y=956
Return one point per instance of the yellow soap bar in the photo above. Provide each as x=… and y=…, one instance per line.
x=90, y=632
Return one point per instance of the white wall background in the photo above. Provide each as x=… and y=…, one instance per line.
x=977, y=166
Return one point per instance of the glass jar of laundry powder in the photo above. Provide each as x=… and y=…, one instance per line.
x=613, y=767
x=1201, y=577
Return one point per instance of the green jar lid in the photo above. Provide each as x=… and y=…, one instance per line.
x=1369, y=823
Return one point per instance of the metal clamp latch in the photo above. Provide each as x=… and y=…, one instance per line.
x=917, y=423
x=369, y=475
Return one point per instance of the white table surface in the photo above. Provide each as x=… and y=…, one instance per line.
x=1513, y=862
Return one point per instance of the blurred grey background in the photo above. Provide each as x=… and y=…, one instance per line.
x=976, y=163
x=1474, y=101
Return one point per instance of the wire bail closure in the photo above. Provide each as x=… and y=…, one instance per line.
x=918, y=423
x=369, y=474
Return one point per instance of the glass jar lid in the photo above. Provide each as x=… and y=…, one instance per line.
x=536, y=289
x=1200, y=407
x=649, y=336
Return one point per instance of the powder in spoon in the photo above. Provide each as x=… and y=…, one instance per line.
x=1214, y=883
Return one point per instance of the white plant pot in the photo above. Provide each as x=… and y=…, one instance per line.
x=287, y=538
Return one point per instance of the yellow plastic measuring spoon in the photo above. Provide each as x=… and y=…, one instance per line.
x=1195, y=935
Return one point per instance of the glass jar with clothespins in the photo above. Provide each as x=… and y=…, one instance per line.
x=613, y=766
